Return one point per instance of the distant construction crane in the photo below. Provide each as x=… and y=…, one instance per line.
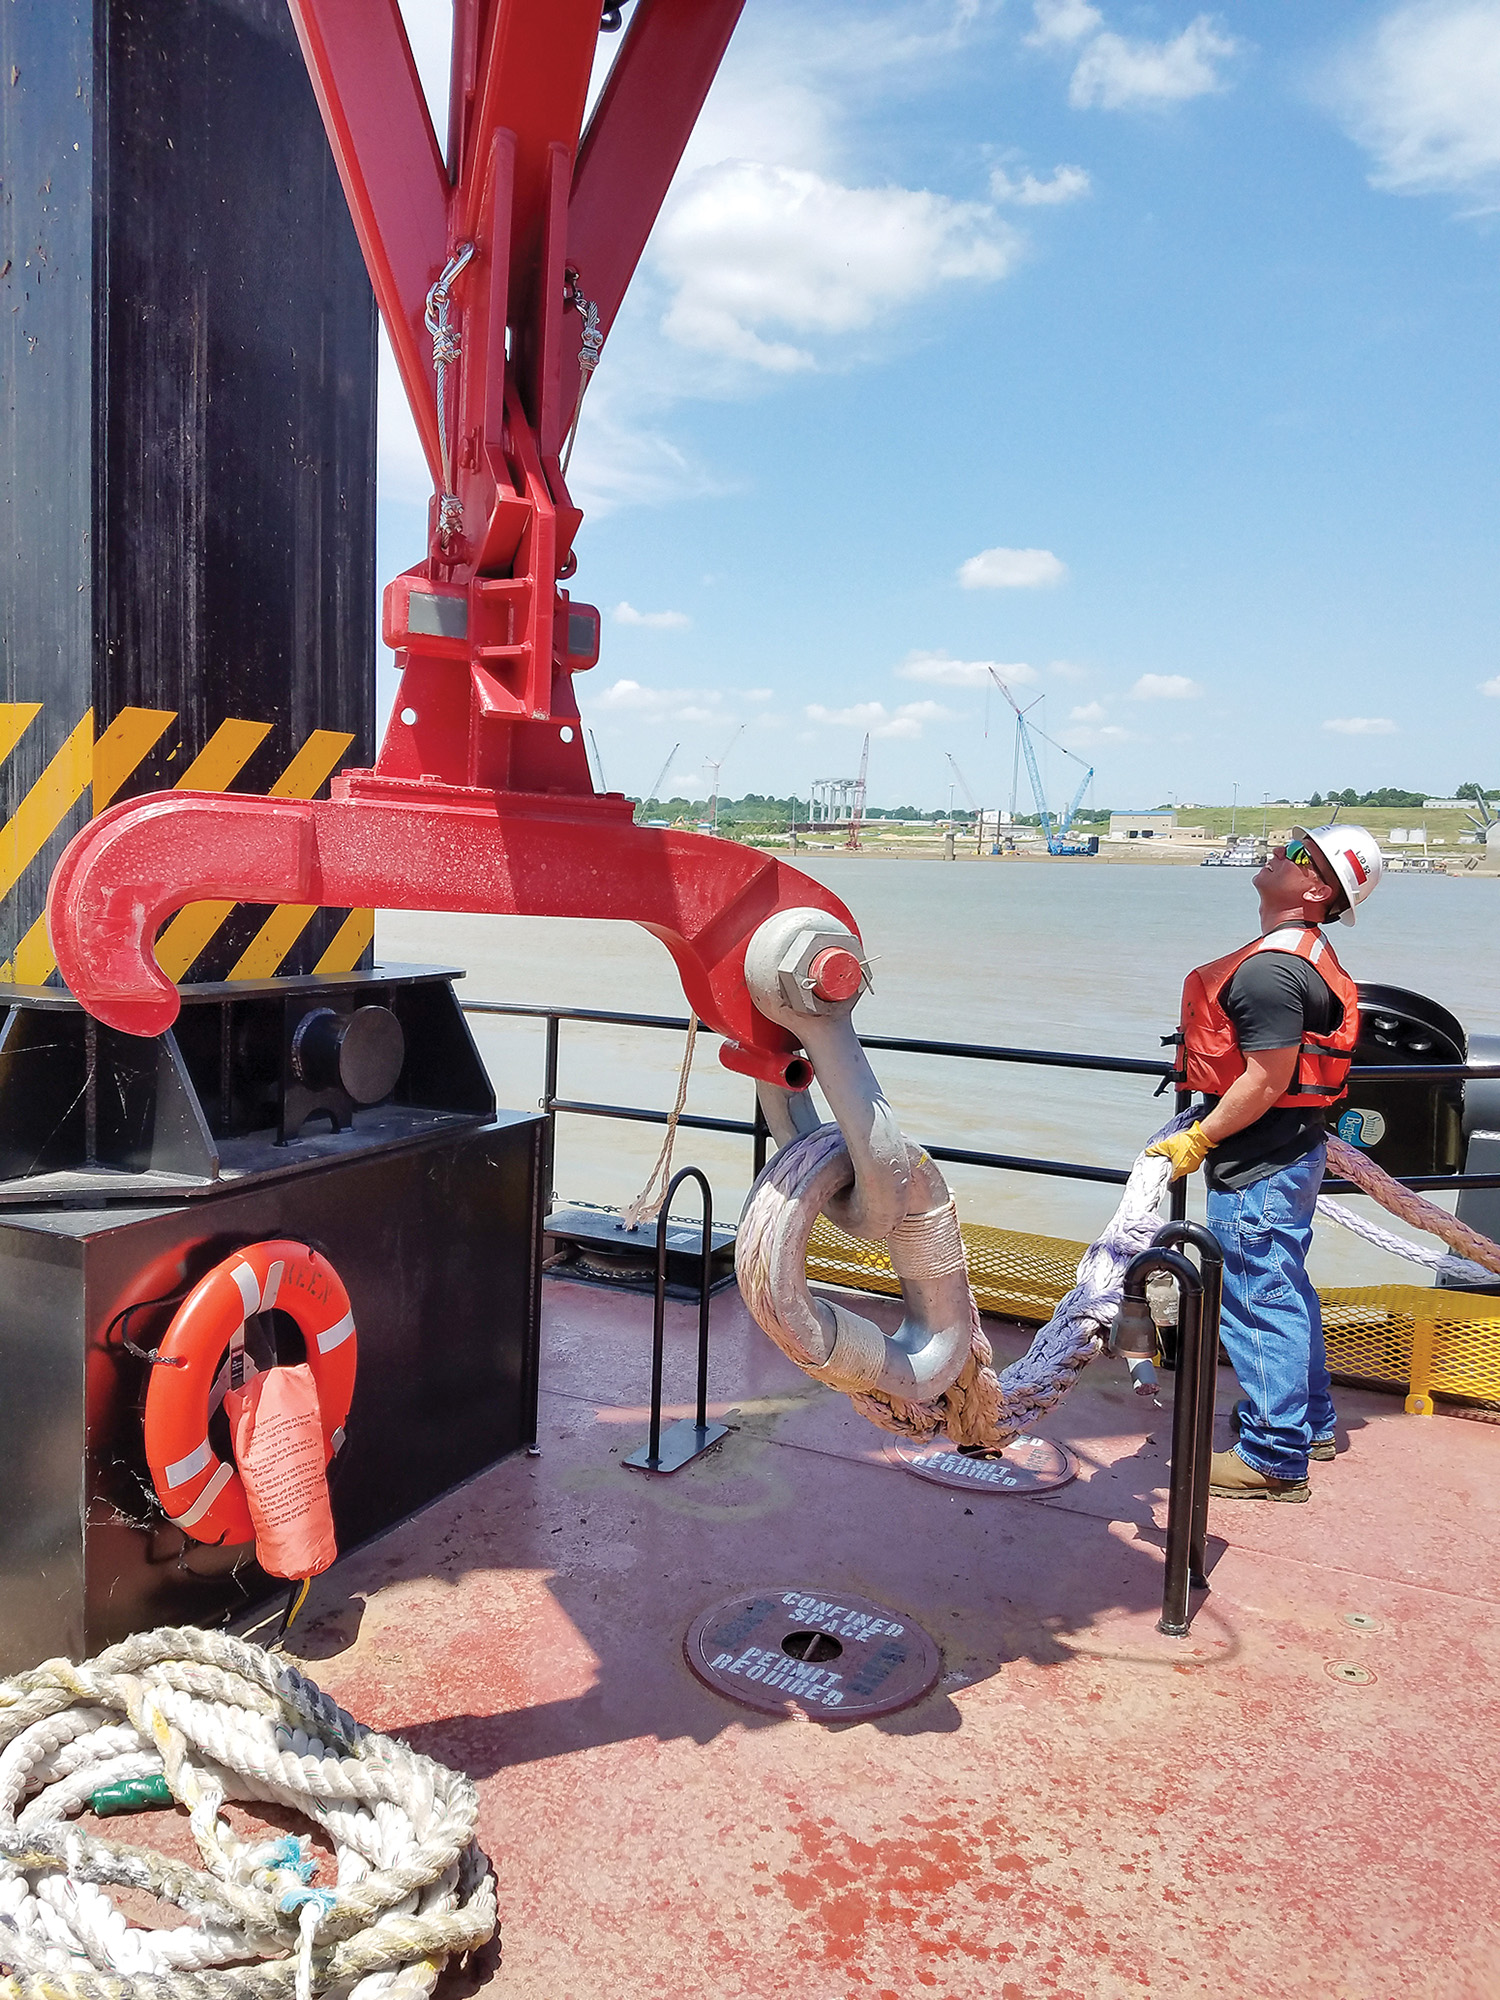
x=856, y=817
x=969, y=800
x=963, y=784
x=716, y=765
x=655, y=791
x=1057, y=842
x=598, y=762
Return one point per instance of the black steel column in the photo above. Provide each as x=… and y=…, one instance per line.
x=187, y=423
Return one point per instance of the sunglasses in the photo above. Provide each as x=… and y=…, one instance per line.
x=1297, y=853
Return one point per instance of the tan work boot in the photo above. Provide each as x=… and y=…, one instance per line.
x=1320, y=1448
x=1229, y=1478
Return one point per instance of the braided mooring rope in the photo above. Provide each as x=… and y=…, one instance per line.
x=220, y=1719
x=1408, y=1204
x=982, y=1408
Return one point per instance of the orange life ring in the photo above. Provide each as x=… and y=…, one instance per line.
x=201, y=1493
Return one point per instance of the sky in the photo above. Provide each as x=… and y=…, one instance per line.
x=1146, y=354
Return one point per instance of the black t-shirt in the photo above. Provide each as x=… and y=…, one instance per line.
x=1272, y=1001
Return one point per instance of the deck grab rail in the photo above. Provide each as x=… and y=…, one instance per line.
x=755, y=1128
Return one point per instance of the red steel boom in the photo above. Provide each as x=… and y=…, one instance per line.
x=499, y=270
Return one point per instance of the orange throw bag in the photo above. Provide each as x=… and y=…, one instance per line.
x=278, y=1447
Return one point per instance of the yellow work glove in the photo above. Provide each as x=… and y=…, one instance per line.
x=1186, y=1150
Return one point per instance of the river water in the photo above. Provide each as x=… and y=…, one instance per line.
x=1062, y=955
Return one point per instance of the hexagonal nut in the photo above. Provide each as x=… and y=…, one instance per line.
x=800, y=984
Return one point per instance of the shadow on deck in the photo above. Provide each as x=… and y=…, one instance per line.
x=1080, y=1808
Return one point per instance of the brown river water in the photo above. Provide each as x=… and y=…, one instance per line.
x=1063, y=955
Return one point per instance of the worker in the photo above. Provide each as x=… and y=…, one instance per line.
x=1268, y=1033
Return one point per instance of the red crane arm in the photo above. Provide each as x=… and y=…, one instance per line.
x=393, y=174
x=481, y=797
x=634, y=142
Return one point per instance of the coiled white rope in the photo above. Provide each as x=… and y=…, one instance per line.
x=220, y=1719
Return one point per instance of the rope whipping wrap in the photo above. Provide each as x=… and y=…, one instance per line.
x=982, y=1408
x=221, y=1719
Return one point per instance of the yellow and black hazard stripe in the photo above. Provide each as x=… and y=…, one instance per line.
x=197, y=941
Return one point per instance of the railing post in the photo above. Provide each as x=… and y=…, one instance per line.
x=688, y=1438
x=549, y=1106
x=1211, y=1263
x=762, y=1138
x=1185, y=1408
x=1177, y=1197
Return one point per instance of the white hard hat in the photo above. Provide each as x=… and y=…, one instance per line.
x=1353, y=854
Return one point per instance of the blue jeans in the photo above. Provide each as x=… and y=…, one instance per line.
x=1272, y=1326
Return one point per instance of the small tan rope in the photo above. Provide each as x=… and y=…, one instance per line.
x=654, y=1193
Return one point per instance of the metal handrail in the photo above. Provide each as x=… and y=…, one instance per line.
x=1020, y=1163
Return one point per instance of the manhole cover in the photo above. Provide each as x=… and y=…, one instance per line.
x=831, y=1657
x=1363, y=1621
x=1349, y=1673
x=1026, y=1465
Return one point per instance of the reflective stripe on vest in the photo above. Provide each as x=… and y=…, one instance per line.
x=1211, y=1058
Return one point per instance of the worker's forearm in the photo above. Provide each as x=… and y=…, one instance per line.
x=1247, y=1098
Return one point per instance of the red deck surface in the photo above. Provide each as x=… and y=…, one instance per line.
x=1081, y=1808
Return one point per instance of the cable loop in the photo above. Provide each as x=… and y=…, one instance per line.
x=447, y=347
x=588, y=354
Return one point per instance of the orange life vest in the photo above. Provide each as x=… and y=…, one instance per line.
x=1211, y=1059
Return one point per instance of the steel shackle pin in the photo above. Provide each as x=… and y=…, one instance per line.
x=804, y=970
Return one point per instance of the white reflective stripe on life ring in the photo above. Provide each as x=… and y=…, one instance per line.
x=273, y=1286
x=205, y=1499
x=335, y=1336
x=188, y=1468
x=249, y=1286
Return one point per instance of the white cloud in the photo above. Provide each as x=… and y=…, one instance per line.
x=1089, y=738
x=1165, y=687
x=1491, y=687
x=661, y=621
x=1011, y=569
x=770, y=257
x=905, y=721
x=1062, y=184
x=759, y=694
x=757, y=251
x=1068, y=670
x=1091, y=711
x=623, y=459
x=678, y=704
x=943, y=671
x=1113, y=73
x=1360, y=725
x=1421, y=94
x=1065, y=21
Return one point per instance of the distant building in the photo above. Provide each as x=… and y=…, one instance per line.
x=1141, y=825
x=1452, y=805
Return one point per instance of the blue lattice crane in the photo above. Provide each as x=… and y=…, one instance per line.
x=1057, y=842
